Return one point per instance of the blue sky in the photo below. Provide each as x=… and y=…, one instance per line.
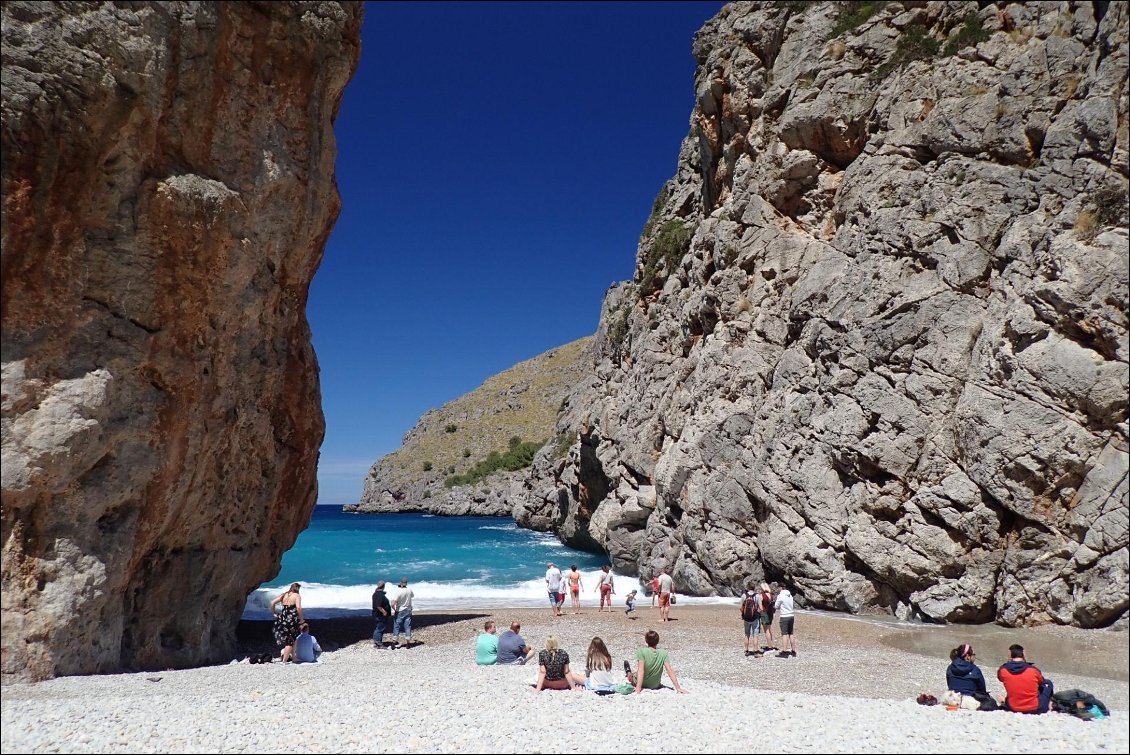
x=496, y=162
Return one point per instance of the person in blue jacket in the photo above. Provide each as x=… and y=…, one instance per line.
x=963, y=676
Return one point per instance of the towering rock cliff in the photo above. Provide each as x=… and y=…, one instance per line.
x=168, y=187
x=876, y=346
x=451, y=441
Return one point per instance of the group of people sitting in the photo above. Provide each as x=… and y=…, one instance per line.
x=555, y=672
x=1027, y=690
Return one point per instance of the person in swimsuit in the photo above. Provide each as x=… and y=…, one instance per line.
x=287, y=620
x=654, y=590
x=605, y=586
x=575, y=587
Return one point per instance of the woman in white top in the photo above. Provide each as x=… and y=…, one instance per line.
x=598, y=667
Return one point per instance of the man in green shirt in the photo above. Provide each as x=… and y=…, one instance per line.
x=486, y=647
x=651, y=663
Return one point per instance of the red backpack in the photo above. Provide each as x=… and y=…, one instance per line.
x=766, y=602
x=749, y=607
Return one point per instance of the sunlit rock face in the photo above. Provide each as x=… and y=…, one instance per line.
x=168, y=188
x=876, y=346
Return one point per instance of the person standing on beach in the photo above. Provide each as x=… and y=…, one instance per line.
x=784, y=606
x=287, y=620
x=751, y=618
x=512, y=648
x=486, y=647
x=767, y=616
x=402, y=608
x=651, y=663
x=382, y=613
x=630, y=602
x=654, y=590
x=1026, y=689
x=553, y=584
x=575, y=587
x=666, y=587
x=605, y=586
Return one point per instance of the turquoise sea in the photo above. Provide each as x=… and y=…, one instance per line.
x=450, y=562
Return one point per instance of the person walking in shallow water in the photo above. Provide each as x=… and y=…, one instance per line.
x=605, y=587
x=575, y=587
x=666, y=588
x=288, y=619
x=553, y=582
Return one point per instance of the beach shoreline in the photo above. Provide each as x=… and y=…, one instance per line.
x=849, y=689
x=1099, y=653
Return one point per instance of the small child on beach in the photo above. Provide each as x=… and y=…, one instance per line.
x=630, y=600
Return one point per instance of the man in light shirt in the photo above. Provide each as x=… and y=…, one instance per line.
x=402, y=609
x=784, y=606
x=553, y=585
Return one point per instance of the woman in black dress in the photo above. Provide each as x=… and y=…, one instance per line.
x=287, y=620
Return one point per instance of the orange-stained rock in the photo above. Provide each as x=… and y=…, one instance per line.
x=168, y=188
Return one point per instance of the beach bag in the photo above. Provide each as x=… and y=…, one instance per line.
x=1076, y=702
x=672, y=598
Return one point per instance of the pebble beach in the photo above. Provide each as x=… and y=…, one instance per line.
x=850, y=689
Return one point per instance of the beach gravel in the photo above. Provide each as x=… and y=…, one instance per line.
x=432, y=698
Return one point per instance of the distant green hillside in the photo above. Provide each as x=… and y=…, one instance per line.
x=520, y=403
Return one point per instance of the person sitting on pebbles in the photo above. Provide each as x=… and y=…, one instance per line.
x=306, y=647
x=652, y=662
x=966, y=679
x=553, y=668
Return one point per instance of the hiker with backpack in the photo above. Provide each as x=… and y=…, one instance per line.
x=767, y=610
x=751, y=617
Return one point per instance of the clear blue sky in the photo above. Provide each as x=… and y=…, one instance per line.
x=496, y=164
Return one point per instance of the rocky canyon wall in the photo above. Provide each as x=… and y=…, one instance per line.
x=876, y=345
x=168, y=187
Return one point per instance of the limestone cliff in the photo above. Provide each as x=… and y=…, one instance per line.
x=876, y=345
x=168, y=187
x=521, y=402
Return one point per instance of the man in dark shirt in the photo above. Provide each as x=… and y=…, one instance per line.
x=512, y=648
x=382, y=613
x=1026, y=688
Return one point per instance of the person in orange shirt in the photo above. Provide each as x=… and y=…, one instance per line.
x=1026, y=689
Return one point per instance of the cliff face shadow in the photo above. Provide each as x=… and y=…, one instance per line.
x=254, y=636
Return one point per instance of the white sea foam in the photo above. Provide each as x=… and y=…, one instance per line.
x=328, y=601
